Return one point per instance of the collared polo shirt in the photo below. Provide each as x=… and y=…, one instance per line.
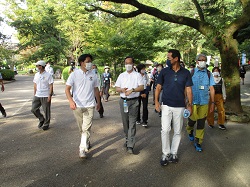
x=83, y=85
x=43, y=80
x=173, y=85
x=130, y=81
x=201, y=86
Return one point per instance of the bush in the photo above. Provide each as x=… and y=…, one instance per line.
x=7, y=74
x=57, y=67
x=65, y=73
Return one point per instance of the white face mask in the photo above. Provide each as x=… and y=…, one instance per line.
x=89, y=66
x=143, y=71
x=106, y=70
x=202, y=64
x=159, y=68
x=216, y=73
x=128, y=67
x=37, y=69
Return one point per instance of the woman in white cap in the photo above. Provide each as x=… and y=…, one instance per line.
x=107, y=80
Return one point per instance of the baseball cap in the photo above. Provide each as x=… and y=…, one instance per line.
x=106, y=67
x=40, y=63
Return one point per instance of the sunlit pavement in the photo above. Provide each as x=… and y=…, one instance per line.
x=32, y=157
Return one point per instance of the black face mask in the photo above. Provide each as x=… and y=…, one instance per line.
x=168, y=62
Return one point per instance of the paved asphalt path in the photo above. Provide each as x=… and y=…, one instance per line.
x=36, y=158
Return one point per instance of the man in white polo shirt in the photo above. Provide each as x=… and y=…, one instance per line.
x=129, y=84
x=43, y=89
x=85, y=84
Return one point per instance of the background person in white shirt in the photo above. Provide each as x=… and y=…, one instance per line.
x=49, y=69
x=85, y=89
x=43, y=89
x=129, y=84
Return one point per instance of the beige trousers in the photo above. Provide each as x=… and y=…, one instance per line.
x=84, y=118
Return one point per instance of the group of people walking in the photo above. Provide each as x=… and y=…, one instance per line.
x=175, y=89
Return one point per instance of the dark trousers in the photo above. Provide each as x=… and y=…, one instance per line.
x=2, y=109
x=106, y=90
x=36, y=104
x=128, y=120
x=144, y=102
x=101, y=111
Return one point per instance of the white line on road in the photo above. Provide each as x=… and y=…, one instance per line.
x=21, y=107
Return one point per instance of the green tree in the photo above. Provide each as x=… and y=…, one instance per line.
x=217, y=20
x=37, y=30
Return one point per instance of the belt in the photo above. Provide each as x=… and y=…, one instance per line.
x=128, y=99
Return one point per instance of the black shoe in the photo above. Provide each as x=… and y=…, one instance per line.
x=174, y=159
x=211, y=126
x=222, y=127
x=4, y=114
x=144, y=124
x=45, y=128
x=40, y=124
x=130, y=150
x=164, y=159
x=101, y=115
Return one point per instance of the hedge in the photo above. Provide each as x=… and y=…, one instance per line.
x=7, y=74
x=65, y=73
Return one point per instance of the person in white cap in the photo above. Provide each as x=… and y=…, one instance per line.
x=43, y=90
x=107, y=80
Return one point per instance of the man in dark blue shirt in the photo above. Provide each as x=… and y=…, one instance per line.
x=176, y=83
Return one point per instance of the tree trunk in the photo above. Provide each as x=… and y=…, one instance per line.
x=228, y=48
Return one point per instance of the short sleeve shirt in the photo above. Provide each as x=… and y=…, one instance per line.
x=130, y=81
x=43, y=81
x=200, y=89
x=173, y=86
x=83, y=87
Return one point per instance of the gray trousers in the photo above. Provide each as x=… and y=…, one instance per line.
x=128, y=120
x=36, y=104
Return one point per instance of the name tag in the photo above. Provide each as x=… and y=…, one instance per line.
x=202, y=87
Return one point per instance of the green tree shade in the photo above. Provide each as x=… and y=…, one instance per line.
x=217, y=20
x=37, y=31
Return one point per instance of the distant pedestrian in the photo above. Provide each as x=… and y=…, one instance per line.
x=242, y=73
x=175, y=82
x=219, y=99
x=43, y=89
x=129, y=84
x=85, y=90
x=143, y=97
x=95, y=70
x=152, y=73
x=2, y=89
x=72, y=67
x=107, y=81
x=155, y=78
x=49, y=69
x=15, y=70
x=202, y=90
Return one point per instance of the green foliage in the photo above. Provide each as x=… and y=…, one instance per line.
x=57, y=67
x=65, y=73
x=38, y=33
x=7, y=74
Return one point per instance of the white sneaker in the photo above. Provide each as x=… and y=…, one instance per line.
x=82, y=154
x=137, y=122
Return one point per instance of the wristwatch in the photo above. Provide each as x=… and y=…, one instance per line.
x=133, y=90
